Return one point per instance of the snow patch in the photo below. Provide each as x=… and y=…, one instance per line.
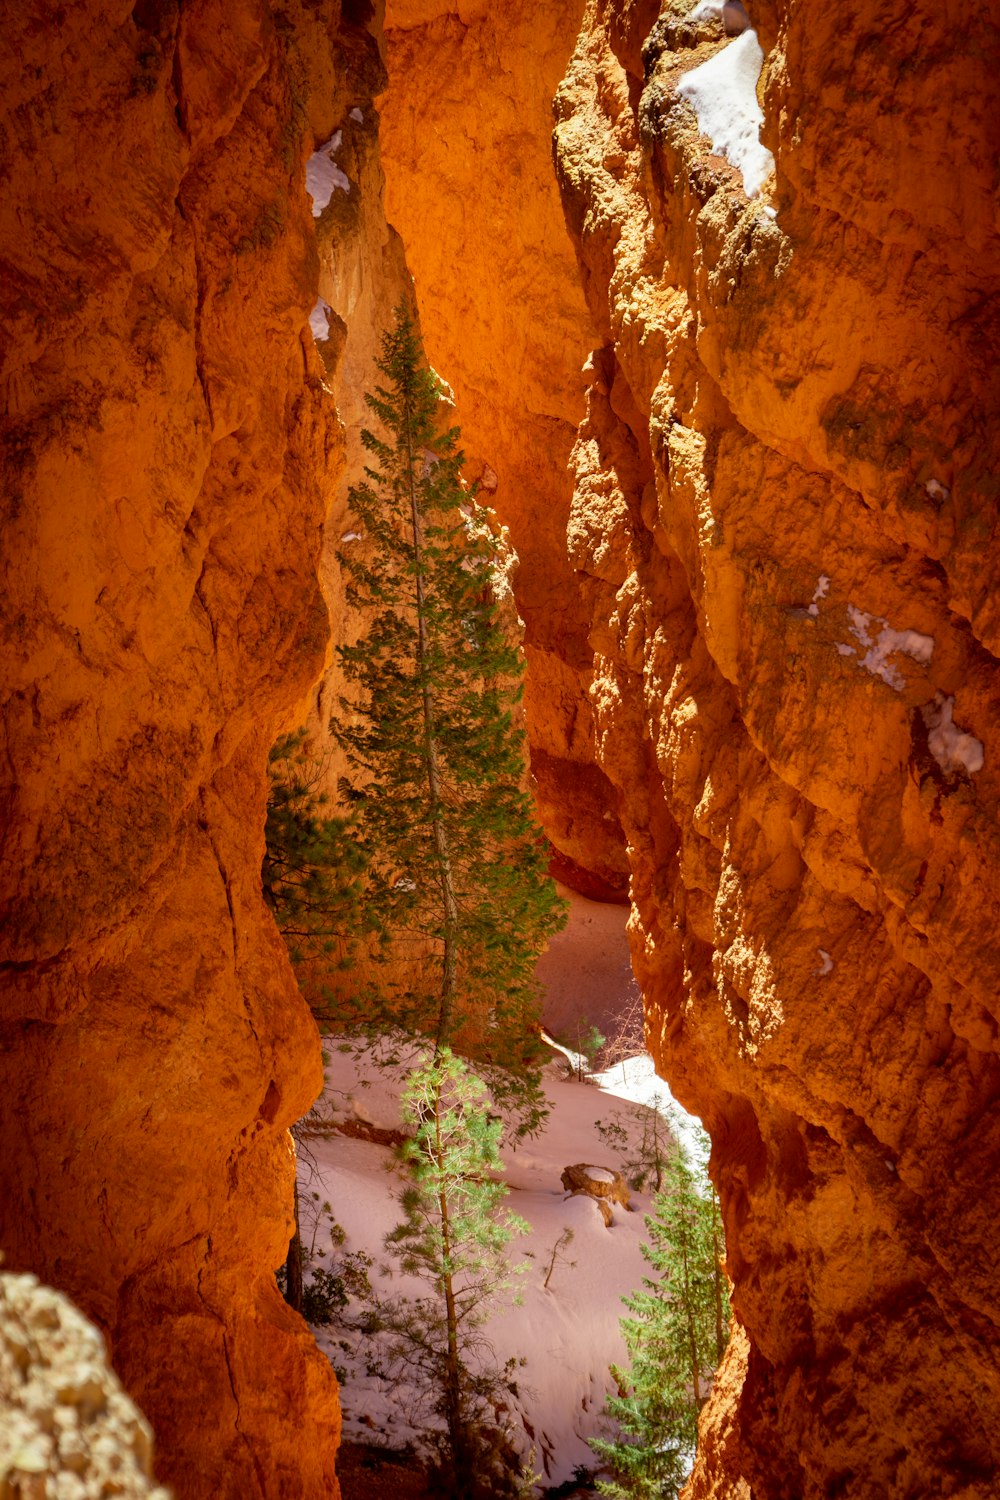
x=708, y=10
x=351, y=536
x=952, y=748
x=822, y=589
x=323, y=176
x=569, y=1333
x=844, y=650
x=600, y=1174
x=723, y=94
x=357, y=114
x=826, y=967
x=937, y=490
x=884, y=644
x=319, y=320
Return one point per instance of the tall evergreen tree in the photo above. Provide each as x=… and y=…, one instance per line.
x=456, y=865
x=675, y=1337
x=454, y=1236
x=312, y=869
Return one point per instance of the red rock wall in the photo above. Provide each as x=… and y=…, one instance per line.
x=466, y=126
x=792, y=389
x=168, y=456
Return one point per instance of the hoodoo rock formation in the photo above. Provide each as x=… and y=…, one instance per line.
x=785, y=517
x=168, y=453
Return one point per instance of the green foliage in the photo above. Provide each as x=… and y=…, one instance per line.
x=643, y=1145
x=312, y=869
x=584, y=1040
x=329, y=1289
x=456, y=866
x=675, y=1336
x=454, y=1236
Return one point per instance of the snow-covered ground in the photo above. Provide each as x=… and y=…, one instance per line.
x=568, y=1333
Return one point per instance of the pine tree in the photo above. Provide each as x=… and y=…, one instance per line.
x=312, y=867
x=454, y=1236
x=675, y=1338
x=456, y=865
x=311, y=878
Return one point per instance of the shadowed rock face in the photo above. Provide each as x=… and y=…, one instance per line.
x=168, y=453
x=466, y=143
x=784, y=517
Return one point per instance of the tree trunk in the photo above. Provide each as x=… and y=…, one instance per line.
x=293, y=1265
x=692, y=1339
x=717, y=1269
x=453, y=1367
x=449, y=972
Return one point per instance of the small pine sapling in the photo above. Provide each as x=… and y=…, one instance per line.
x=558, y=1256
x=675, y=1335
x=454, y=1237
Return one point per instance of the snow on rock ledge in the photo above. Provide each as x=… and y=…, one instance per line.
x=952, y=748
x=323, y=176
x=723, y=94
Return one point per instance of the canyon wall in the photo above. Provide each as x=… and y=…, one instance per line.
x=785, y=517
x=783, y=531
x=466, y=122
x=170, y=446
x=762, y=680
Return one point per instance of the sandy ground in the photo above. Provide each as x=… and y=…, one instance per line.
x=586, y=972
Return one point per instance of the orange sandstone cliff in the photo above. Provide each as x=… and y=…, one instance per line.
x=466, y=124
x=169, y=450
x=785, y=515
x=783, y=530
x=760, y=616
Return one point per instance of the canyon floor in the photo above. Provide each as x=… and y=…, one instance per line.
x=568, y=1334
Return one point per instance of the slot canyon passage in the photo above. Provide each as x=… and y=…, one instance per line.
x=756, y=555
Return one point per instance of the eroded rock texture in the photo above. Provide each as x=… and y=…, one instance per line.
x=784, y=519
x=68, y=1429
x=168, y=452
x=466, y=126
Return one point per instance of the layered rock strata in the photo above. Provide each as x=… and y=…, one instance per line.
x=169, y=450
x=784, y=523
x=466, y=129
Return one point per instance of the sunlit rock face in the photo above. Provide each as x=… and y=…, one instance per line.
x=169, y=450
x=784, y=522
x=466, y=143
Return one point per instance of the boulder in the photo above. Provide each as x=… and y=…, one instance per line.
x=602, y=1184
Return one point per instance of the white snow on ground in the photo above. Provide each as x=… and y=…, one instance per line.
x=357, y=114
x=723, y=94
x=323, y=176
x=884, y=643
x=708, y=10
x=937, y=490
x=568, y=1333
x=951, y=747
